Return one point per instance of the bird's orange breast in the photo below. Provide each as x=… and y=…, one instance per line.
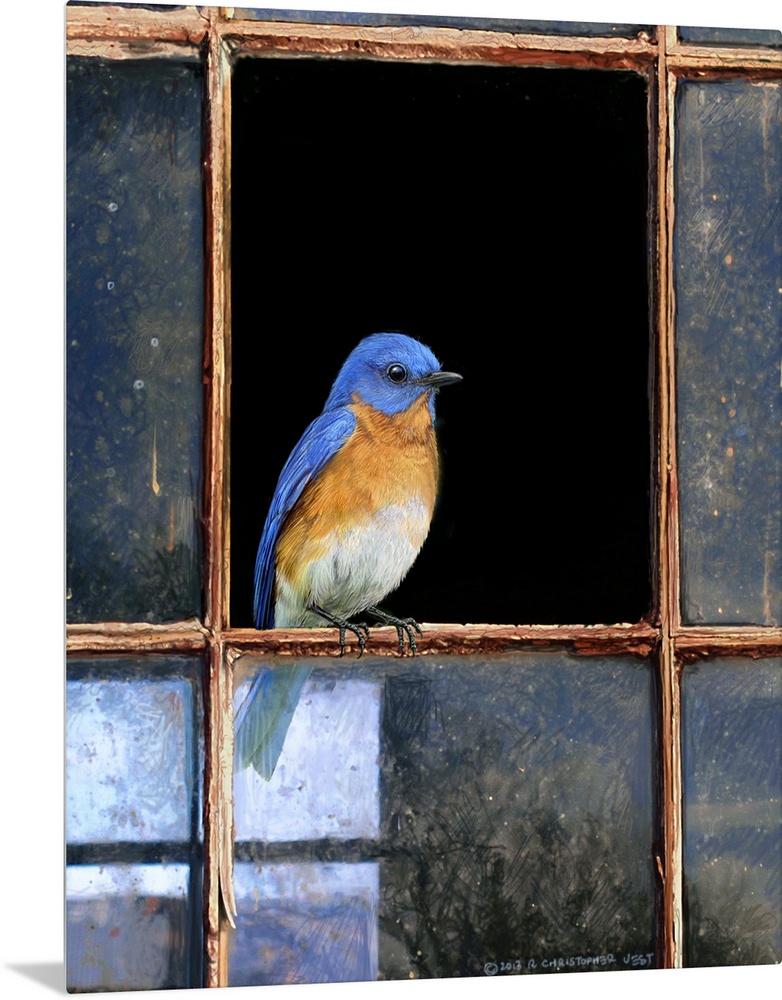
x=390, y=461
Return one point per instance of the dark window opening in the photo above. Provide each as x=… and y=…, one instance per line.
x=500, y=216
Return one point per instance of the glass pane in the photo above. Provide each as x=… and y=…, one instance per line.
x=333, y=793
x=132, y=753
x=134, y=759
x=127, y=927
x=732, y=718
x=445, y=20
x=134, y=340
x=731, y=36
x=456, y=818
x=305, y=923
x=728, y=260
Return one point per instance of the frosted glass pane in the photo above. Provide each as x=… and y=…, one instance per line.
x=131, y=756
x=313, y=923
x=728, y=266
x=331, y=792
x=133, y=761
x=126, y=927
x=732, y=719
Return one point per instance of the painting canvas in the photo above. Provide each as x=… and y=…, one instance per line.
x=568, y=759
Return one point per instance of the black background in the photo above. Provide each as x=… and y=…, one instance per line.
x=500, y=216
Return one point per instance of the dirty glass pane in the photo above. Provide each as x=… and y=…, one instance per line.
x=738, y=37
x=428, y=819
x=444, y=20
x=127, y=927
x=134, y=340
x=134, y=755
x=728, y=269
x=332, y=793
x=132, y=750
x=732, y=754
x=306, y=923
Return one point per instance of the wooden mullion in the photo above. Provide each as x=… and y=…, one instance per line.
x=669, y=861
x=439, y=43
x=98, y=22
x=453, y=640
x=734, y=71
x=213, y=792
x=708, y=641
x=219, y=906
x=216, y=350
x=136, y=637
x=696, y=56
x=103, y=48
x=683, y=644
x=668, y=551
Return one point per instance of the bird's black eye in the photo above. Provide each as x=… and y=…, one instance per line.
x=397, y=373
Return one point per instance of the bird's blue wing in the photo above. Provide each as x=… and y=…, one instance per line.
x=264, y=717
x=262, y=721
x=319, y=443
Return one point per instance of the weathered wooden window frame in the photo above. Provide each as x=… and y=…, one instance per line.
x=217, y=37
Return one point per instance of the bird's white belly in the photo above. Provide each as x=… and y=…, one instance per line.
x=357, y=566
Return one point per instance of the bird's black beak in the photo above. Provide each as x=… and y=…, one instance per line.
x=436, y=380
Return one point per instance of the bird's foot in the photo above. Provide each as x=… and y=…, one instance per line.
x=359, y=629
x=405, y=628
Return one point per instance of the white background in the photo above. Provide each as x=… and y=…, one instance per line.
x=31, y=860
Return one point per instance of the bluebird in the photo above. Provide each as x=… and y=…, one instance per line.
x=351, y=510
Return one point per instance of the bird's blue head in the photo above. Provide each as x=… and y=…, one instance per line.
x=389, y=371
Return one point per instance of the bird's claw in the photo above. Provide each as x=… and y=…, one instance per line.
x=405, y=628
x=344, y=627
x=355, y=628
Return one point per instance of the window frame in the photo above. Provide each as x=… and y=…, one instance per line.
x=218, y=36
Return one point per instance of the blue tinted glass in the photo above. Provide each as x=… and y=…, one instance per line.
x=441, y=818
x=337, y=787
x=739, y=37
x=311, y=923
x=131, y=758
x=728, y=269
x=732, y=746
x=134, y=340
x=127, y=927
x=134, y=760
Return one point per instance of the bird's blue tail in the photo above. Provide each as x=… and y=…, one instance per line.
x=264, y=717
